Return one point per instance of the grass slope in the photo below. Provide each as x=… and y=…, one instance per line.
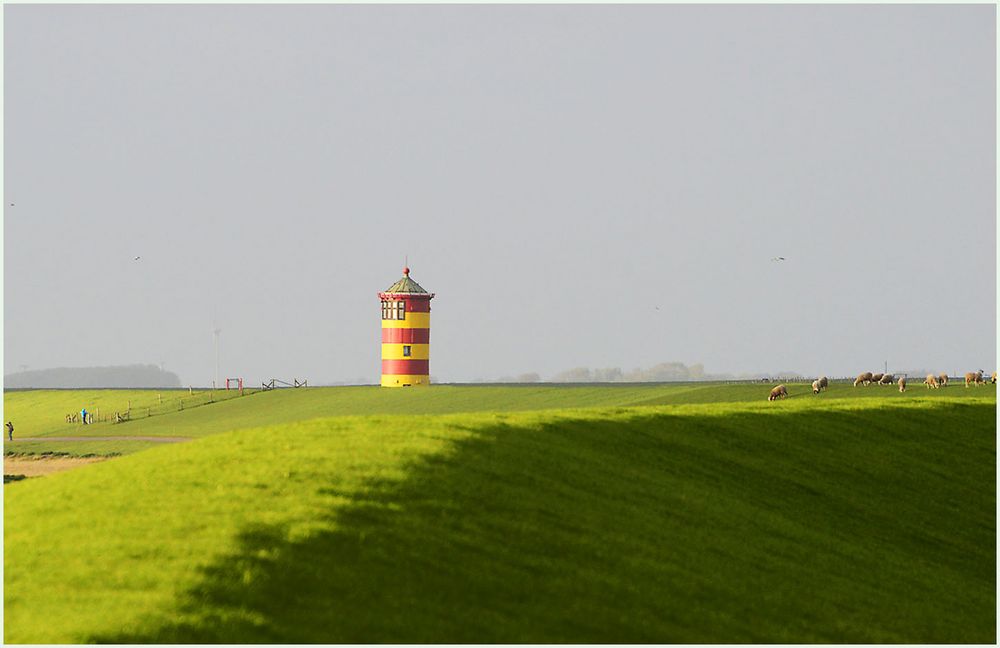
x=41, y=413
x=846, y=520
x=102, y=448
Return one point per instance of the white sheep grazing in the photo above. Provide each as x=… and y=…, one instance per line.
x=887, y=379
x=974, y=378
x=823, y=382
x=816, y=387
x=943, y=380
x=863, y=379
x=778, y=392
x=902, y=384
x=931, y=381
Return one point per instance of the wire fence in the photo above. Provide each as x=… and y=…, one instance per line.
x=156, y=405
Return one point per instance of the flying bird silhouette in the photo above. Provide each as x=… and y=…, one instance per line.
x=136, y=259
x=777, y=258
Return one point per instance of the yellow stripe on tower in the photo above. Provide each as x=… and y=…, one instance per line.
x=413, y=320
x=395, y=352
x=391, y=380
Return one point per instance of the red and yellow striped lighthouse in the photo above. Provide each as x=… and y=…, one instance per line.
x=406, y=334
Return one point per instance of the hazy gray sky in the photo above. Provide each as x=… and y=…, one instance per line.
x=554, y=173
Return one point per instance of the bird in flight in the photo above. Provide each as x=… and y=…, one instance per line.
x=777, y=258
x=136, y=259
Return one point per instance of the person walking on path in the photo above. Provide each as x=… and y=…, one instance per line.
x=10, y=430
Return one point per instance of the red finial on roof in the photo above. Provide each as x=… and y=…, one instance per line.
x=406, y=271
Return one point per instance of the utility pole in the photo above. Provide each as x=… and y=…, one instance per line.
x=215, y=385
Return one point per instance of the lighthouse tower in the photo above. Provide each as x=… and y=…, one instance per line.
x=406, y=334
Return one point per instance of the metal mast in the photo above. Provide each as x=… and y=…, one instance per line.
x=217, y=331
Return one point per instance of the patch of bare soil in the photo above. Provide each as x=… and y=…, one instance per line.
x=38, y=466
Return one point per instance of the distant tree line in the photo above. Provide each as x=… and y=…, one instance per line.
x=662, y=372
x=120, y=377
x=521, y=378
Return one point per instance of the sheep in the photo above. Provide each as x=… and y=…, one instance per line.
x=823, y=382
x=902, y=384
x=887, y=379
x=778, y=392
x=863, y=379
x=943, y=380
x=876, y=377
x=974, y=378
x=993, y=378
x=815, y=386
x=931, y=381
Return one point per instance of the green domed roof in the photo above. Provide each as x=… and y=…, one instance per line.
x=405, y=285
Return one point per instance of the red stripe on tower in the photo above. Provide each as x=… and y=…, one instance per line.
x=406, y=336
x=406, y=367
x=414, y=303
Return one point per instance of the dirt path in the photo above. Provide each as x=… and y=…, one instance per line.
x=104, y=438
x=38, y=466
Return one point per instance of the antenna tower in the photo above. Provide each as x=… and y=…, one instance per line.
x=216, y=332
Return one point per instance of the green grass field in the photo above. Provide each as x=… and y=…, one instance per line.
x=662, y=513
x=42, y=413
x=111, y=447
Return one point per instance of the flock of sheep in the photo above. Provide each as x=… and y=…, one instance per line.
x=867, y=378
x=975, y=378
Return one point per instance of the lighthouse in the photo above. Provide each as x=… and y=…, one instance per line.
x=406, y=334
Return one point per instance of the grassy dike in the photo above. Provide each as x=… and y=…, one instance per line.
x=42, y=413
x=848, y=520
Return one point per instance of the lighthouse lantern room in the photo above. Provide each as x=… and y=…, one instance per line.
x=406, y=333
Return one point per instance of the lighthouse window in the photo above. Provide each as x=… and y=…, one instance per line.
x=394, y=310
x=406, y=350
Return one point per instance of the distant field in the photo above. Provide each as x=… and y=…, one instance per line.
x=861, y=515
x=42, y=413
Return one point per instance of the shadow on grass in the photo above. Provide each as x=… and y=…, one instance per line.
x=872, y=526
